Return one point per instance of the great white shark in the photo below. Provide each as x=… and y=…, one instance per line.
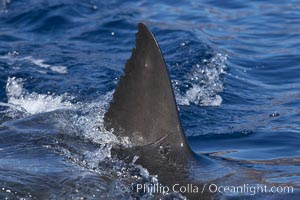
x=144, y=110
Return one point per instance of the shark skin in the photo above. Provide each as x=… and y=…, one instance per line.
x=144, y=110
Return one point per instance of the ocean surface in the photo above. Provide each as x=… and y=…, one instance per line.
x=235, y=70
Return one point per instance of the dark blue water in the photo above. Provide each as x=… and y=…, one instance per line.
x=234, y=68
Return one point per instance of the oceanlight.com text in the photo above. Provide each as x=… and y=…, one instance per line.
x=250, y=189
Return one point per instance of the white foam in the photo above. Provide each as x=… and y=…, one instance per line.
x=87, y=124
x=41, y=63
x=14, y=56
x=34, y=103
x=206, y=83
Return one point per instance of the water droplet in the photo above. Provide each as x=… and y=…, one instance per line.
x=275, y=114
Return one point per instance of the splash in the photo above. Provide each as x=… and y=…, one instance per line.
x=204, y=83
x=91, y=148
x=33, y=103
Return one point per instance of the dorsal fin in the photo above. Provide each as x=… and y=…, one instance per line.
x=143, y=106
